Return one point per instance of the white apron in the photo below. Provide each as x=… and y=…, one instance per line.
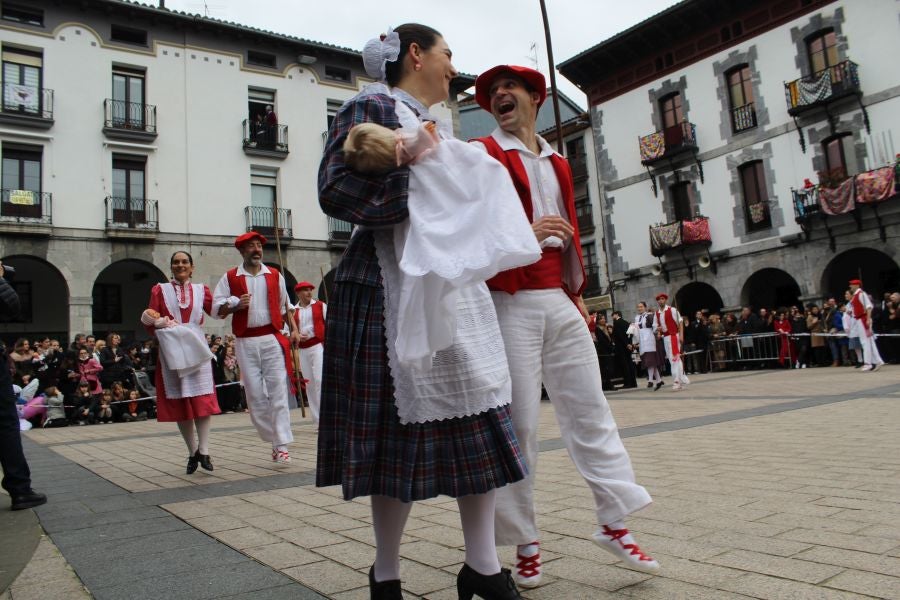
x=183, y=351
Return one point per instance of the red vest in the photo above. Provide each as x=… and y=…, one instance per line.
x=859, y=308
x=238, y=287
x=671, y=329
x=318, y=316
x=539, y=274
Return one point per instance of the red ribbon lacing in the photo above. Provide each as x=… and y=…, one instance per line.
x=617, y=534
x=529, y=566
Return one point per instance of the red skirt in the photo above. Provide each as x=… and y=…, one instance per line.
x=182, y=409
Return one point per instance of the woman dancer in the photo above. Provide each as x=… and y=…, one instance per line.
x=364, y=443
x=185, y=396
x=646, y=327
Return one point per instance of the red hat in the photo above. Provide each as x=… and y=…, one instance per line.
x=304, y=285
x=246, y=237
x=532, y=78
x=856, y=282
x=662, y=295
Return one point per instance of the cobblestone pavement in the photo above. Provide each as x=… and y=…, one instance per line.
x=766, y=484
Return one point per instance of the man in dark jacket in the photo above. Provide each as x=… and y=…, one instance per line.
x=623, y=350
x=16, y=475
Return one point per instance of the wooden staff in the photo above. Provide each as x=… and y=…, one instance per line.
x=295, y=353
x=324, y=285
x=553, y=91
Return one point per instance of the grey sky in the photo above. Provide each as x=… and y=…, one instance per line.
x=481, y=33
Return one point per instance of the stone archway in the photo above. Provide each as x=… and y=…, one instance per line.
x=44, y=299
x=698, y=296
x=770, y=288
x=878, y=271
x=326, y=286
x=121, y=292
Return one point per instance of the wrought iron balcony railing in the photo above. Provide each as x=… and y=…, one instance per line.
x=129, y=116
x=339, y=231
x=263, y=137
x=677, y=234
x=140, y=214
x=743, y=117
x=820, y=88
x=26, y=206
x=27, y=101
x=592, y=280
x=264, y=220
x=668, y=142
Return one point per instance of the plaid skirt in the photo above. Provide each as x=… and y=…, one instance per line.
x=363, y=446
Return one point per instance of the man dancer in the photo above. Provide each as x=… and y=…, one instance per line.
x=542, y=320
x=256, y=295
x=671, y=328
x=861, y=307
x=310, y=320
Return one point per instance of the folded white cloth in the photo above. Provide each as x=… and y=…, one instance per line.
x=183, y=348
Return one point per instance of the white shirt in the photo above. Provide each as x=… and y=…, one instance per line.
x=306, y=317
x=546, y=195
x=662, y=319
x=258, y=312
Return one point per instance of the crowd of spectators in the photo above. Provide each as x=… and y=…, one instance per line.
x=95, y=381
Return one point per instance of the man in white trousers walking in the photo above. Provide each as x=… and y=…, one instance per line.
x=309, y=317
x=861, y=307
x=671, y=328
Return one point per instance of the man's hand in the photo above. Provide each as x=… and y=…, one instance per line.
x=552, y=226
x=244, y=304
x=304, y=337
x=296, y=338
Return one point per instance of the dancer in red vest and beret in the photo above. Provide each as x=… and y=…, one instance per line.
x=257, y=297
x=309, y=317
x=671, y=328
x=861, y=326
x=544, y=325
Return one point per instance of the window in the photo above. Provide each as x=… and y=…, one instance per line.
x=107, y=303
x=263, y=198
x=822, y=48
x=575, y=148
x=22, y=81
x=588, y=255
x=740, y=96
x=670, y=107
x=839, y=157
x=128, y=189
x=262, y=59
x=681, y=200
x=128, y=98
x=756, y=200
x=128, y=35
x=21, y=182
x=22, y=14
x=337, y=74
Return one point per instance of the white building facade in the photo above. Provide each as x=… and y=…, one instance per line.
x=130, y=131
x=709, y=118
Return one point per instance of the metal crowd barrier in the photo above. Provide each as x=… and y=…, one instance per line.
x=761, y=347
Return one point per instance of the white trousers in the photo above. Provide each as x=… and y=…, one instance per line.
x=678, y=375
x=547, y=341
x=265, y=381
x=311, y=365
x=871, y=356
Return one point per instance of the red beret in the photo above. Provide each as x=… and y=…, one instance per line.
x=856, y=282
x=246, y=237
x=483, y=84
x=662, y=295
x=303, y=285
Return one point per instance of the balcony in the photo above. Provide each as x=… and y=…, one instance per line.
x=26, y=212
x=264, y=220
x=585, y=215
x=822, y=88
x=668, y=143
x=27, y=106
x=131, y=218
x=579, y=167
x=133, y=121
x=338, y=232
x=846, y=197
x=666, y=237
x=592, y=281
x=261, y=139
x=743, y=117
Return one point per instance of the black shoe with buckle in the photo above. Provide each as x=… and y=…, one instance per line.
x=27, y=499
x=383, y=590
x=499, y=586
x=205, y=461
x=193, y=463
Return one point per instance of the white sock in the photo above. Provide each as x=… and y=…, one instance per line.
x=477, y=515
x=280, y=448
x=625, y=539
x=187, y=432
x=203, y=424
x=388, y=520
x=528, y=550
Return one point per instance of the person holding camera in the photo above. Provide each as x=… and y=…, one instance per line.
x=16, y=474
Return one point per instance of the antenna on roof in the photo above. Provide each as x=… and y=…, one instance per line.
x=533, y=56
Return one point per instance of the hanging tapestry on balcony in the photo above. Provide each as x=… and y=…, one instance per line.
x=839, y=200
x=875, y=186
x=665, y=237
x=25, y=96
x=652, y=146
x=695, y=232
x=757, y=212
x=814, y=90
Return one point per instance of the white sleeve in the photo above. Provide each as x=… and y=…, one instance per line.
x=324, y=311
x=222, y=296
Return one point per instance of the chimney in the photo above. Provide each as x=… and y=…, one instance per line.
x=162, y=3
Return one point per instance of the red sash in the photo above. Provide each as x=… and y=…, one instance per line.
x=671, y=326
x=318, y=317
x=537, y=275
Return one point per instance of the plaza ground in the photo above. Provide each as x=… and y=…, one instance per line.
x=767, y=484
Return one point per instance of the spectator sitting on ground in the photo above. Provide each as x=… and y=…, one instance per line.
x=105, y=412
x=134, y=411
x=56, y=412
x=86, y=405
x=119, y=401
x=89, y=369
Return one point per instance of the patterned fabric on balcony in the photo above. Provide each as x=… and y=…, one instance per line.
x=695, y=231
x=875, y=186
x=652, y=146
x=758, y=212
x=839, y=200
x=665, y=237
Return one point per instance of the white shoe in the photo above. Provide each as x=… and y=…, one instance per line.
x=620, y=543
x=867, y=368
x=875, y=367
x=676, y=387
x=528, y=568
x=281, y=456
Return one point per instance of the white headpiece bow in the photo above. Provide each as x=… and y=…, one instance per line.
x=380, y=51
